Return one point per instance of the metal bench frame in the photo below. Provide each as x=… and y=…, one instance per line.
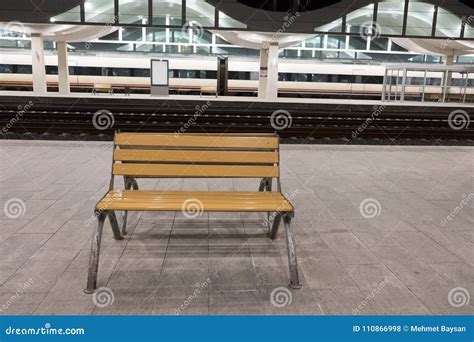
x=120, y=230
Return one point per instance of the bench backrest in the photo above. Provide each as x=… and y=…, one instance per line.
x=189, y=155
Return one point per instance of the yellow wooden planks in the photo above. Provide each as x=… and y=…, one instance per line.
x=195, y=171
x=193, y=156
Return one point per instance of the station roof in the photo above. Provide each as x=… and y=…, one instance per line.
x=453, y=19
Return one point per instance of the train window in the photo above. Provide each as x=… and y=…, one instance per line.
x=72, y=70
x=286, y=77
x=185, y=74
x=120, y=72
x=319, y=78
x=433, y=81
x=24, y=69
x=301, y=78
x=6, y=69
x=141, y=72
x=344, y=78
x=211, y=74
x=89, y=71
x=254, y=76
x=51, y=70
x=372, y=79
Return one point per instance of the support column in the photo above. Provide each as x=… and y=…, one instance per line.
x=63, y=68
x=268, y=80
x=39, y=69
x=448, y=77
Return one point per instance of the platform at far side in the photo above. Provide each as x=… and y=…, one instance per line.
x=379, y=230
x=243, y=99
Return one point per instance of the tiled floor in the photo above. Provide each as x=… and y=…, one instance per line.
x=406, y=259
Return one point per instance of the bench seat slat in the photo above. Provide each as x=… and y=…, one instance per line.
x=119, y=193
x=190, y=156
x=195, y=171
x=197, y=141
x=211, y=201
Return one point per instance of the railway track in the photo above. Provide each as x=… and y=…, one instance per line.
x=80, y=117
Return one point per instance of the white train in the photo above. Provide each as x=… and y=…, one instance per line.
x=198, y=74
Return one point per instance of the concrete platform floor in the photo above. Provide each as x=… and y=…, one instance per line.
x=372, y=230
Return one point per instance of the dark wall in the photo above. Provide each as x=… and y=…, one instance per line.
x=34, y=10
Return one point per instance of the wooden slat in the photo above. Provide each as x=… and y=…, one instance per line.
x=188, y=193
x=203, y=201
x=190, y=156
x=196, y=141
x=195, y=171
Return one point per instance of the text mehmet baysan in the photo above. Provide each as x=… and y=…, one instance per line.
x=440, y=328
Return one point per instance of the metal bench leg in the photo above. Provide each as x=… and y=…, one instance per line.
x=268, y=187
x=128, y=184
x=292, y=261
x=275, y=226
x=94, y=256
x=124, y=223
x=134, y=183
x=115, y=226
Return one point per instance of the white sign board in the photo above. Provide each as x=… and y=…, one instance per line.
x=159, y=72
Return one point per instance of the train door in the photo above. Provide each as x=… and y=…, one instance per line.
x=358, y=78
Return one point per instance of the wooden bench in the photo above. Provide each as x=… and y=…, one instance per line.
x=157, y=155
x=103, y=88
x=208, y=91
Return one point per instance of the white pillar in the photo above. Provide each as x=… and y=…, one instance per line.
x=39, y=69
x=448, y=77
x=63, y=68
x=268, y=80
